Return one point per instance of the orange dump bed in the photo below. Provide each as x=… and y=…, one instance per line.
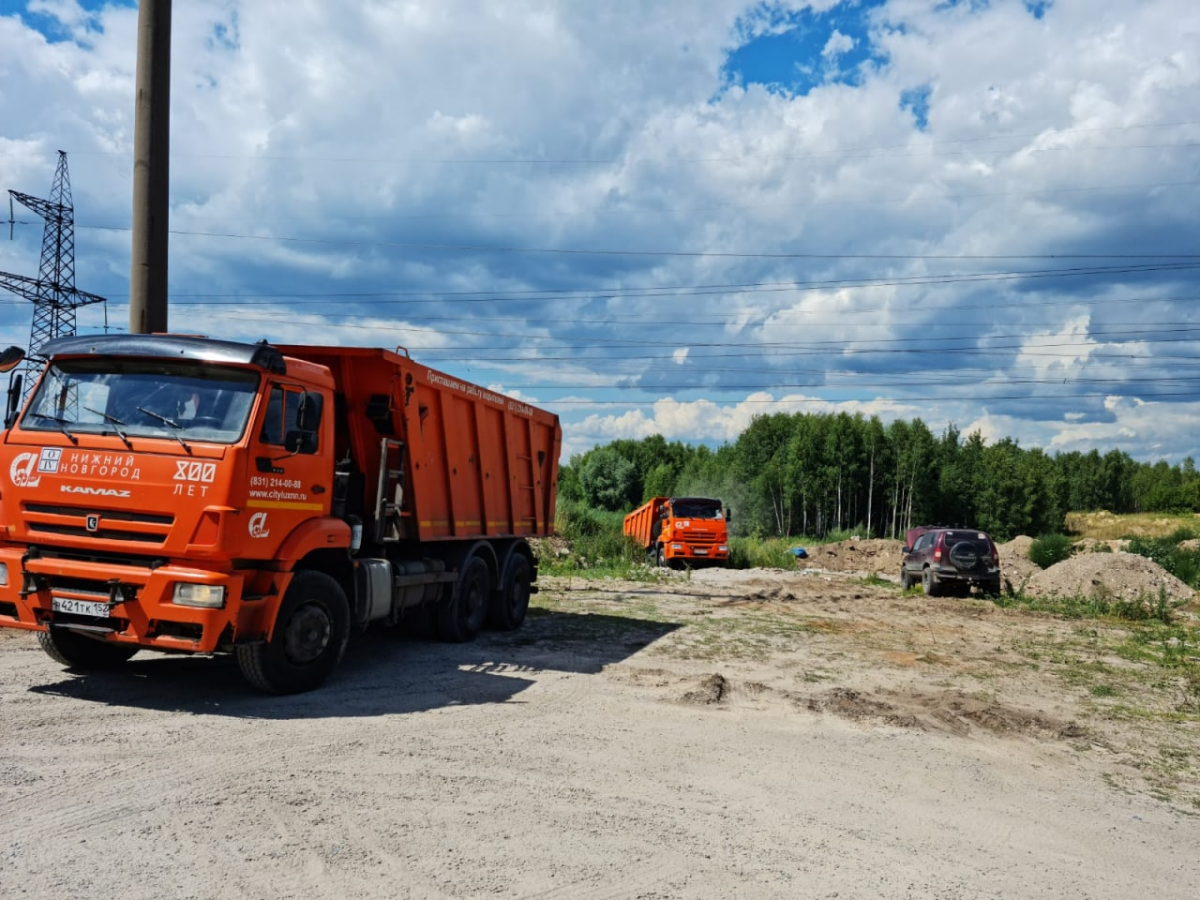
x=474, y=463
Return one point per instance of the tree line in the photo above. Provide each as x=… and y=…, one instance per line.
x=811, y=474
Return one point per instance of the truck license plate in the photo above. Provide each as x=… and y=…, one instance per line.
x=701, y=552
x=79, y=607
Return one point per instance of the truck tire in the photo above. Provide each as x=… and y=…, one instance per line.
x=461, y=618
x=78, y=652
x=659, y=559
x=930, y=584
x=511, y=602
x=309, y=640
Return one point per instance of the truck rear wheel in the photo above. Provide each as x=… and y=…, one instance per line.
x=511, y=602
x=310, y=637
x=462, y=617
x=78, y=652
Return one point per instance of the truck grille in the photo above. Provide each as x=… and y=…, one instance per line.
x=113, y=525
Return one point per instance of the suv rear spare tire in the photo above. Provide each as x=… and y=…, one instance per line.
x=964, y=555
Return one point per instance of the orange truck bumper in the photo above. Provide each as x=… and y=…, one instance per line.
x=695, y=552
x=128, y=604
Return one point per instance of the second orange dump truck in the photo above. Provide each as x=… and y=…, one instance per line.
x=189, y=495
x=681, y=531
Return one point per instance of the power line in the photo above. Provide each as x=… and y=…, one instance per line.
x=849, y=153
x=689, y=254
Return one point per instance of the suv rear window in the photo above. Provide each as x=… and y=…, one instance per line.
x=976, y=538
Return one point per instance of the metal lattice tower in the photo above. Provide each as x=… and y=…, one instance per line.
x=54, y=295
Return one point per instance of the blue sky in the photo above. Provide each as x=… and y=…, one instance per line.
x=663, y=216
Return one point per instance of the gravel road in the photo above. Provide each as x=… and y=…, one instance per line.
x=600, y=751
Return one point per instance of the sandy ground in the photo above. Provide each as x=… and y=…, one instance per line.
x=752, y=734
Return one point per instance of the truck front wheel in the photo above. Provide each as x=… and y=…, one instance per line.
x=310, y=637
x=78, y=652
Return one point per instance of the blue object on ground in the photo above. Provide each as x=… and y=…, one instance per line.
x=799, y=553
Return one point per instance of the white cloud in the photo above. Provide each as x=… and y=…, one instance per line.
x=414, y=154
x=837, y=45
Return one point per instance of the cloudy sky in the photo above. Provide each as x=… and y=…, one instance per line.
x=662, y=216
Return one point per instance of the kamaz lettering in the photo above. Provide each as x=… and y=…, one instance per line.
x=93, y=491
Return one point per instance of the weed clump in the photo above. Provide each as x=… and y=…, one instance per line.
x=1049, y=549
x=1182, y=562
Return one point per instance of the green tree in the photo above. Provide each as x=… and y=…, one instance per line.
x=608, y=479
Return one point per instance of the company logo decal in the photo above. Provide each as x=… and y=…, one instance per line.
x=258, y=526
x=93, y=522
x=23, y=471
x=49, y=460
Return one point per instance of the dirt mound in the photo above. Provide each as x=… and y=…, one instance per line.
x=1016, y=568
x=955, y=712
x=1018, y=546
x=1124, y=576
x=867, y=555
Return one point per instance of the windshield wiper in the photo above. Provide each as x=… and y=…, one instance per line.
x=117, y=422
x=61, y=422
x=170, y=423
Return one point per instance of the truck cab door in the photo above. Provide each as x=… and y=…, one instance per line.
x=290, y=477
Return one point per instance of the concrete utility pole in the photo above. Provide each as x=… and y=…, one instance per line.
x=151, y=169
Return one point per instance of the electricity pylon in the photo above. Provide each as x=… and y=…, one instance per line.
x=54, y=295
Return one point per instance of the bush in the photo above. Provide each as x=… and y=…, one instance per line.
x=1182, y=563
x=759, y=553
x=597, y=540
x=1049, y=549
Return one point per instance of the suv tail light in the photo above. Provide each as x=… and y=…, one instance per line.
x=995, y=555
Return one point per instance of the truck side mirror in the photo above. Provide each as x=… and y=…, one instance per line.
x=308, y=416
x=14, y=400
x=300, y=442
x=10, y=357
x=728, y=514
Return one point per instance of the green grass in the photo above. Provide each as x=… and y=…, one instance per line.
x=1141, y=609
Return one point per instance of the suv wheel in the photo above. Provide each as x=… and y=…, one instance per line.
x=930, y=584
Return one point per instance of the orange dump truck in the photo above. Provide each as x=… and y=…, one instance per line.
x=681, y=531
x=182, y=494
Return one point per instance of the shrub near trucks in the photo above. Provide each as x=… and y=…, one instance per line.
x=678, y=531
x=190, y=495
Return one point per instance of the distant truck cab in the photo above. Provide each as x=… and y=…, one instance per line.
x=681, y=531
x=190, y=495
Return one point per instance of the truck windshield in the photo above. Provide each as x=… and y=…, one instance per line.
x=697, y=509
x=143, y=398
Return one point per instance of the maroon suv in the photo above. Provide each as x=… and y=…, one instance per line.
x=950, y=561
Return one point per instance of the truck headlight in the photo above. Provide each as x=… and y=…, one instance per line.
x=3, y=574
x=677, y=546
x=207, y=595
x=723, y=549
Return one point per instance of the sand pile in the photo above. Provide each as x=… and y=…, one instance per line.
x=1124, y=576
